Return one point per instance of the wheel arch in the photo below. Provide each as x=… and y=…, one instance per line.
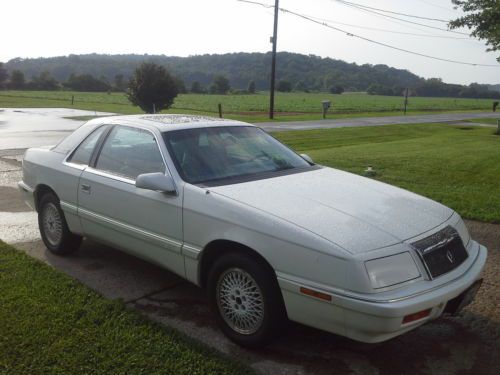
x=40, y=191
x=217, y=248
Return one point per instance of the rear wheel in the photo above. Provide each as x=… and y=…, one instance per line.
x=53, y=227
x=245, y=296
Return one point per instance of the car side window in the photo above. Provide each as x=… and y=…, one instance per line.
x=83, y=152
x=129, y=152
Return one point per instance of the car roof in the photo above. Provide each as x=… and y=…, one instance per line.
x=169, y=122
x=161, y=122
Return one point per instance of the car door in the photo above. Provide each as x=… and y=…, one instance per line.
x=68, y=177
x=113, y=210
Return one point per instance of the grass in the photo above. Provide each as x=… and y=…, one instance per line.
x=458, y=166
x=253, y=108
x=491, y=121
x=52, y=324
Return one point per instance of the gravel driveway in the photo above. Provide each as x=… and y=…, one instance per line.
x=467, y=344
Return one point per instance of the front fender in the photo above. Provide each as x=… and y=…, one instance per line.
x=289, y=249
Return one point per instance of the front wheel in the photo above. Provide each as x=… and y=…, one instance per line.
x=53, y=227
x=245, y=295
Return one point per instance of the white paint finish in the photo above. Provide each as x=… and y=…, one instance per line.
x=316, y=229
x=356, y=213
x=123, y=211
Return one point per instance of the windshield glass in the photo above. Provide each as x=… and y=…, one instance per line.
x=208, y=154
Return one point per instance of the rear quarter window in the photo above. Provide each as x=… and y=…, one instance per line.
x=83, y=153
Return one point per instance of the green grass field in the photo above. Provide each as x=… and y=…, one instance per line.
x=489, y=121
x=458, y=166
x=289, y=106
x=52, y=324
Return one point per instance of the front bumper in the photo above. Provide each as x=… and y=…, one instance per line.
x=371, y=321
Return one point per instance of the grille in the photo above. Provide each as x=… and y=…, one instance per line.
x=441, y=252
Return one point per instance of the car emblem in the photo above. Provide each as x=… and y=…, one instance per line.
x=449, y=256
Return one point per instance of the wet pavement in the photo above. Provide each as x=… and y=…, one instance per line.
x=34, y=127
x=467, y=344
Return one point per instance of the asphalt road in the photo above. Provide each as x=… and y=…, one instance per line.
x=34, y=127
x=468, y=344
x=374, y=121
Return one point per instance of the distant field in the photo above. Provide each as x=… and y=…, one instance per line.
x=455, y=165
x=289, y=106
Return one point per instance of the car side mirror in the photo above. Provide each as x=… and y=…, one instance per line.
x=307, y=158
x=155, y=181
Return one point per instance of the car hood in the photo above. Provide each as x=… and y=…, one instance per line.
x=356, y=213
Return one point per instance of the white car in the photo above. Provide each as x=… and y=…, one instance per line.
x=270, y=235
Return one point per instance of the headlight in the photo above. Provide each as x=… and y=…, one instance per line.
x=391, y=270
x=462, y=231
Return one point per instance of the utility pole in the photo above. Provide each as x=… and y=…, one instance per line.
x=406, y=99
x=274, y=40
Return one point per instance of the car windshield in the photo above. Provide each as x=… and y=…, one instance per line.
x=216, y=153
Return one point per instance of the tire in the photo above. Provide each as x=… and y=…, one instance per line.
x=248, y=324
x=53, y=227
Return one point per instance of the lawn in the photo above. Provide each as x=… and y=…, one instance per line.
x=253, y=108
x=458, y=166
x=490, y=121
x=52, y=324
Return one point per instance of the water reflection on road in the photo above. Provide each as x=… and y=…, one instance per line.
x=34, y=127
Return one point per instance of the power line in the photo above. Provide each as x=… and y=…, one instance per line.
x=400, y=19
x=370, y=40
x=438, y=6
x=389, y=11
x=391, y=31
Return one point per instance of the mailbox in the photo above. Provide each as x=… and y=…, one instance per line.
x=326, y=104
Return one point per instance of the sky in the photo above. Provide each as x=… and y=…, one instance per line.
x=34, y=28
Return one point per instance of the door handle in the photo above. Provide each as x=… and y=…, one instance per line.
x=85, y=188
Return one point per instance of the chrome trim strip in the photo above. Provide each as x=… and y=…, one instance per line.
x=68, y=207
x=110, y=175
x=171, y=244
x=335, y=292
x=74, y=165
x=191, y=251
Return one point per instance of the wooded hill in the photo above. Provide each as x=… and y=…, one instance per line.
x=303, y=72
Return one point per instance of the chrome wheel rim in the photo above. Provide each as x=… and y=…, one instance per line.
x=240, y=301
x=52, y=224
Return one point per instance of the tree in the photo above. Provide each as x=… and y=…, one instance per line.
x=482, y=16
x=221, y=85
x=284, y=86
x=251, y=87
x=336, y=89
x=301, y=86
x=3, y=76
x=152, y=88
x=44, y=81
x=196, y=88
x=17, y=80
x=120, y=84
x=86, y=82
x=181, y=86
